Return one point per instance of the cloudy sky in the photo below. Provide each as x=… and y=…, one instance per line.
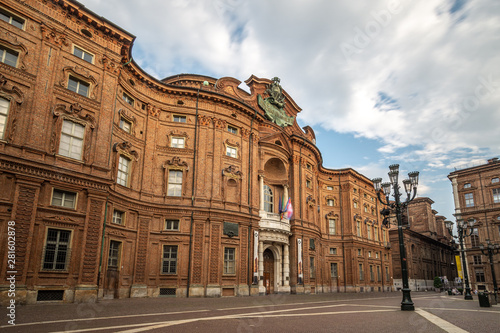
x=380, y=81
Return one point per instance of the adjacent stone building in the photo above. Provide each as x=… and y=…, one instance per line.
x=476, y=192
x=428, y=245
x=122, y=185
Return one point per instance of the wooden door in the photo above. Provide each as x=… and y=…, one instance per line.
x=269, y=271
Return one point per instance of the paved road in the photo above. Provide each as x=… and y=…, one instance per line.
x=373, y=312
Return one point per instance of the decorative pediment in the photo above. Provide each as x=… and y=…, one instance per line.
x=331, y=215
x=310, y=201
x=75, y=112
x=232, y=172
x=13, y=91
x=81, y=73
x=176, y=163
x=54, y=36
x=126, y=149
x=11, y=42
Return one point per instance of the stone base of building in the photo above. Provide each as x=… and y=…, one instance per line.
x=297, y=289
x=83, y=294
x=138, y=290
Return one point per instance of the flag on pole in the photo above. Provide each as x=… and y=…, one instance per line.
x=289, y=209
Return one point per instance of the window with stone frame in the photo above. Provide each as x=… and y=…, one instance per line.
x=496, y=195
x=232, y=129
x=372, y=274
x=477, y=260
x=330, y=202
x=8, y=56
x=127, y=99
x=361, y=275
x=474, y=238
x=369, y=231
x=82, y=54
x=467, y=185
x=56, y=252
x=64, y=199
x=125, y=125
x=358, y=228
x=469, y=199
x=332, y=227
x=177, y=142
x=229, y=261
x=4, y=113
x=268, y=199
x=123, y=173
x=329, y=188
x=79, y=86
x=172, y=225
x=169, y=260
x=231, y=152
x=375, y=233
x=12, y=19
x=71, y=141
x=174, y=187
x=379, y=276
x=495, y=180
x=387, y=277
x=179, y=119
x=479, y=275
x=333, y=250
x=118, y=217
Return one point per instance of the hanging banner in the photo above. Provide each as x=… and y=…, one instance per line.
x=255, y=257
x=459, y=267
x=299, y=256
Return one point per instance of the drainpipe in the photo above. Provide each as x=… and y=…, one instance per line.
x=249, y=201
x=192, y=192
x=102, y=247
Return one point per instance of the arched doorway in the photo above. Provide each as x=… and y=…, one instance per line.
x=269, y=271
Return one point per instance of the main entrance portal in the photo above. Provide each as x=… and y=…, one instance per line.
x=269, y=271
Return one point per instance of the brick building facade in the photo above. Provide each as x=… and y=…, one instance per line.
x=429, y=251
x=476, y=192
x=122, y=185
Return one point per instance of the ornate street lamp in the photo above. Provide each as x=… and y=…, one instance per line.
x=397, y=206
x=464, y=230
x=491, y=249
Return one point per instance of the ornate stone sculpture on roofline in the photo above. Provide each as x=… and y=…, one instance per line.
x=274, y=104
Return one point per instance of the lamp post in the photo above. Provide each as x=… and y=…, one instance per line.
x=397, y=206
x=491, y=249
x=464, y=230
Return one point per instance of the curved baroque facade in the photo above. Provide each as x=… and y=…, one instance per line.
x=121, y=185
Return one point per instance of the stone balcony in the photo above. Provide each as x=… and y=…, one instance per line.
x=273, y=222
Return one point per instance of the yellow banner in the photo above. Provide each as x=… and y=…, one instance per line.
x=459, y=267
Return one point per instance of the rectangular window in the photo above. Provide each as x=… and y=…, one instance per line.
x=78, y=86
x=375, y=233
x=496, y=195
x=308, y=183
x=57, y=250
x=369, y=254
x=63, y=199
x=329, y=188
x=229, y=260
x=474, y=238
x=379, y=277
x=361, y=277
x=355, y=204
x=469, y=200
x=372, y=276
x=118, y=217
x=334, y=270
x=480, y=275
x=358, y=228
x=333, y=250
x=114, y=252
x=332, y=230
x=8, y=57
x=171, y=224
x=369, y=231
x=71, y=144
x=312, y=270
x=174, y=183
x=4, y=111
x=169, y=261
x=179, y=119
x=177, y=142
x=9, y=18
x=123, y=170
x=129, y=100
x=231, y=151
x=82, y=54
x=477, y=260
x=125, y=125
x=495, y=180
x=387, y=277
x=329, y=202
x=232, y=129
x=360, y=253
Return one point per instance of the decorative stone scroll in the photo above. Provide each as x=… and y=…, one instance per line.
x=11, y=42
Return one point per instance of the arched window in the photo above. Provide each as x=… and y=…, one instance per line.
x=268, y=199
